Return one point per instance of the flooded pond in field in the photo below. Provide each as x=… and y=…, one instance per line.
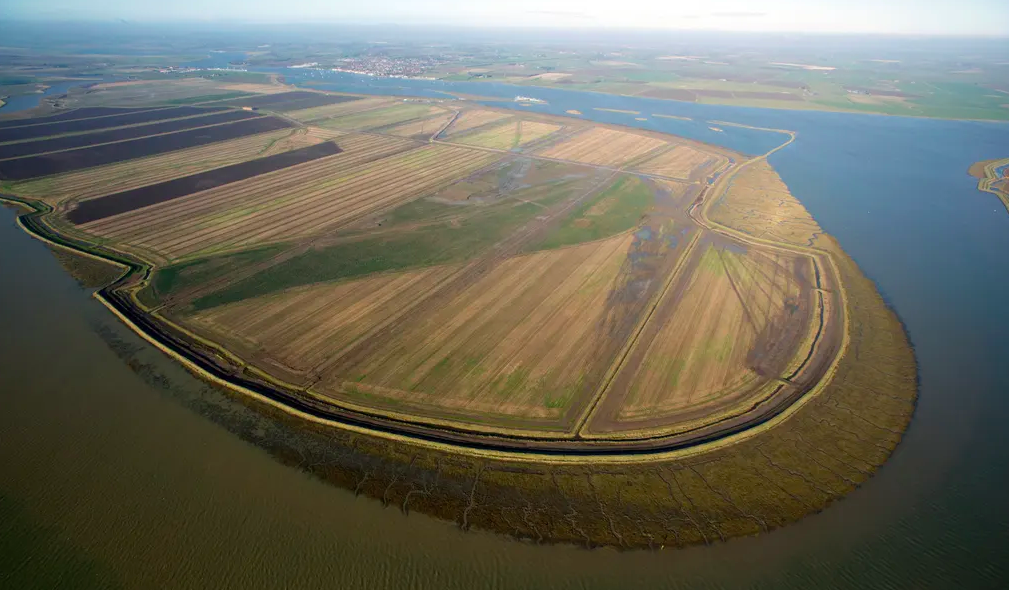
x=23, y=102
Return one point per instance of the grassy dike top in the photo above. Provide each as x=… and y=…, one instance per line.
x=823, y=448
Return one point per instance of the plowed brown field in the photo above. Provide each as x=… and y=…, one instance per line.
x=303, y=200
x=472, y=118
x=422, y=128
x=338, y=110
x=508, y=135
x=95, y=182
x=681, y=161
x=717, y=334
x=603, y=147
x=515, y=345
x=302, y=327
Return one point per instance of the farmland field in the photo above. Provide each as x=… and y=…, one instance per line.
x=603, y=147
x=500, y=284
x=618, y=208
x=680, y=161
x=69, y=142
x=123, y=202
x=520, y=343
x=423, y=232
x=298, y=328
x=134, y=117
x=313, y=198
x=70, y=115
x=381, y=117
x=315, y=114
x=545, y=294
x=723, y=331
x=150, y=93
x=473, y=118
x=421, y=128
x=507, y=136
x=95, y=182
x=110, y=153
x=291, y=101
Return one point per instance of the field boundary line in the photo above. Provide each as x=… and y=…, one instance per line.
x=586, y=416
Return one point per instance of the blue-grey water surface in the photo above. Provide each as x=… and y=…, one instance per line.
x=24, y=102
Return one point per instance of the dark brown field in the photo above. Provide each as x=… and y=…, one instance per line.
x=117, y=203
x=55, y=163
x=93, y=124
x=69, y=142
x=84, y=113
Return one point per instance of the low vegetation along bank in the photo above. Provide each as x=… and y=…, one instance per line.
x=541, y=326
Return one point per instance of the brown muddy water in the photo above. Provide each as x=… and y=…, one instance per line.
x=119, y=469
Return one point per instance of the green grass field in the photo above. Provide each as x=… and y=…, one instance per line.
x=439, y=243
x=616, y=209
x=177, y=277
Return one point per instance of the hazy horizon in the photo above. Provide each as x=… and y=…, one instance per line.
x=887, y=17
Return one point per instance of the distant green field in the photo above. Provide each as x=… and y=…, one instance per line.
x=934, y=85
x=216, y=76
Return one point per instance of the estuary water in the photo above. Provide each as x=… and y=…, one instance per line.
x=24, y=102
x=118, y=468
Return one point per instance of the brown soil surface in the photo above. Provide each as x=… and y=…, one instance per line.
x=89, y=157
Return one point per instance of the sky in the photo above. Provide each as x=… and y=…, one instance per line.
x=942, y=17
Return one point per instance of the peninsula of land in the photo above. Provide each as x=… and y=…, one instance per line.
x=544, y=326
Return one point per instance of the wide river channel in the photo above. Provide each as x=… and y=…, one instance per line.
x=119, y=469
